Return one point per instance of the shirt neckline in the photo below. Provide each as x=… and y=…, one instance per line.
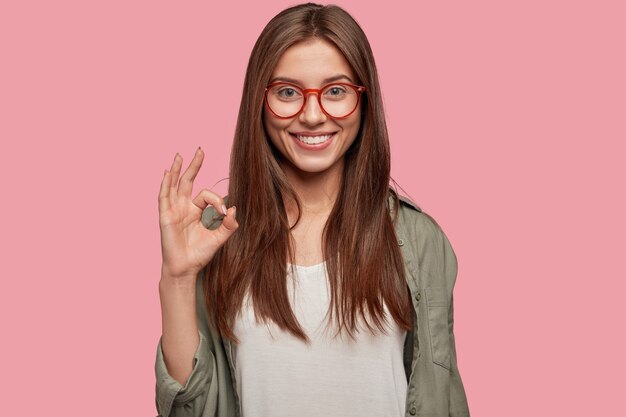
x=307, y=267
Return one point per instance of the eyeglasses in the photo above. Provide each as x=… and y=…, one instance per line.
x=337, y=100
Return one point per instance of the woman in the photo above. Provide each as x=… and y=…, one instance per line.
x=318, y=291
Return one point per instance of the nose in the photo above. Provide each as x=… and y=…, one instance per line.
x=312, y=113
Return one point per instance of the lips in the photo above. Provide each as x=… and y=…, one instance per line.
x=311, y=146
x=313, y=138
x=312, y=133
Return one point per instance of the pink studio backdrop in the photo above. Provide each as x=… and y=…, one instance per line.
x=506, y=122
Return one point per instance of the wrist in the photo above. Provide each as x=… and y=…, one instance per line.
x=170, y=281
x=177, y=274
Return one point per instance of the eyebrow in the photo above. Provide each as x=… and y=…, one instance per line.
x=327, y=80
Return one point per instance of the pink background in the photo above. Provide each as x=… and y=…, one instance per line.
x=507, y=123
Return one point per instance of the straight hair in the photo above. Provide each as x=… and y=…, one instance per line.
x=364, y=263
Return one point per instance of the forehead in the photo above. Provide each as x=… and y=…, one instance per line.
x=312, y=61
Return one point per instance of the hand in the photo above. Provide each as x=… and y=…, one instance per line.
x=187, y=245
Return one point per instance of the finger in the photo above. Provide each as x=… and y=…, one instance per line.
x=174, y=173
x=206, y=197
x=186, y=181
x=164, y=202
x=228, y=226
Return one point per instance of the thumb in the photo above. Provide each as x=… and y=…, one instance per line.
x=229, y=224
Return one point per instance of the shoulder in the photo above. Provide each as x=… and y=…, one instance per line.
x=428, y=245
x=415, y=220
x=407, y=202
x=211, y=218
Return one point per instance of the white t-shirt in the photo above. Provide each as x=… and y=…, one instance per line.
x=279, y=375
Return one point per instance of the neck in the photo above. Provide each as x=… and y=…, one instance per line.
x=317, y=191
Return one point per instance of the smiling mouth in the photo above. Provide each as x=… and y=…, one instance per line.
x=313, y=140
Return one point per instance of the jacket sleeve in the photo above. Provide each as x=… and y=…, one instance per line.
x=458, y=401
x=199, y=396
x=174, y=400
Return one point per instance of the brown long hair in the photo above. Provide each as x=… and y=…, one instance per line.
x=363, y=260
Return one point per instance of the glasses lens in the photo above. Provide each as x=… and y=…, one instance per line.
x=286, y=100
x=338, y=100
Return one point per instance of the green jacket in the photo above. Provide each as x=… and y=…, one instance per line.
x=435, y=388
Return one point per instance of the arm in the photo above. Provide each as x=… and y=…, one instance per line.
x=179, y=338
x=184, y=363
x=187, y=246
x=176, y=400
x=458, y=401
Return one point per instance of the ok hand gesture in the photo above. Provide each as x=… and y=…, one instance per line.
x=186, y=244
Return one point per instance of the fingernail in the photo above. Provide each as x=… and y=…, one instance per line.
x=234, y=212
x=224, y=209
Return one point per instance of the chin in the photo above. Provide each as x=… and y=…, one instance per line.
x=312, y=167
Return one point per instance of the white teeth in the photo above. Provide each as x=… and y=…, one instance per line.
x=313, y=140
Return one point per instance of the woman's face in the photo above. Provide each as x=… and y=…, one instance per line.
x=311, y=63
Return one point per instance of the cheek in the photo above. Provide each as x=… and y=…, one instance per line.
x=274, y=131
x=352, y=130
x=354, y=125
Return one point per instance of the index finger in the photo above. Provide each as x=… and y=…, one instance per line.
x=164, y=202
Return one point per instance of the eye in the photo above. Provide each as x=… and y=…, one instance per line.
x=287, y=92
x=336, y=91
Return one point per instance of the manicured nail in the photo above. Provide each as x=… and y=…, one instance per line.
x=224, y=209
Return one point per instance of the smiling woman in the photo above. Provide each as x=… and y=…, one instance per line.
x=301, y=138
x=303, y=297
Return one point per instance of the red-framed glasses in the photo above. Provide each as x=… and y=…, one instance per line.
x=337, y=100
